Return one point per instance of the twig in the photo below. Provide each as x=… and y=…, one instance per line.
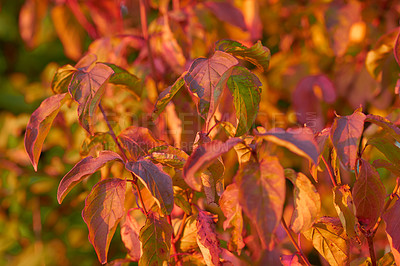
x=330, y=172
x=173, y=247
x=180, y=231
x=370, y=240
x=303, y=257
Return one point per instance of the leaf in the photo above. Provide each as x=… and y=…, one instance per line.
x=188, y=240
x=345, y=208
x=387, y=260
x=203, y=157
x=155, y=236
x=229, y=203
x=227, y=12
x=39, y=126
x=329, y=239
x=169, y=155
x=62, y=78
x=262, y=195
x=345, y=135
x=290, y=260
x=386, y=145
x=380, y=163
x=130, y=236
x=100, y=141
x=123, y=77
x=180, y=199
x=31, y=17
x=203, y=76
x=369, y=195
x=392, y=218
x=258, y=54
x=245, y=88
x=387, y=125
x=298, y=140
x=104, y=208
x=307, y=203
x=137, y=141
x=166, y=96
x=207, y=238
x=156, y=181
x=396, y=49
x=82, y=169
x=87, y=88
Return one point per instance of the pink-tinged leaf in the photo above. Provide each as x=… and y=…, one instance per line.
x=130, y=230
x=262, y=195
x=225, y=11
x=290, y=260
x=207, y=238
x=307, y=97
x=203, y=157
x=137, y=141
x=203, y=76
x=381, y=163
x=345, y=135
x=87, y=88
x=345, y=208
x=104, y=208
x=298, y=140
x=396, y=49
x=321, y=138
x=386, y=124
x=169, y=155
x=39, y=126
x=62, y=78
x=82, y=169
x=369, y=195
x=229, y=203
x=392, y=221
x=307, y=203
x=156, y=181
x=155, y=237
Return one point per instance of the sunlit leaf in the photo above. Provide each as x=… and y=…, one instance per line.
x=82, y=169
x=169, y=155
x=203, y=157
x=31, y=16
x=39, y=126
x=298, y=140
x=227, y=12
x=87, y=88
x=307, y=203
x=392, y=219
x=387, y=260
x=290, y=260
x=329, y=238
x=123, y=77
x=345, y=208
x=387, y=125
x=155, y=236
x=207, y=238
x=188, y=241
x=204, y=74
x=229, y=203
x=180, y=199
x=262, y=195
x=156, y=181
x=345, y=135
x=104, y=208
x=369, y=195
x=98, y=142
x=381, y=163
x=130, y=236
x=62, y=78
x=387, y=145
x=258, y=54
x=166, y=96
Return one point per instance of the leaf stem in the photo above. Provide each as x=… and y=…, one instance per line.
x=333, y=179
x=370, y=240
x=181, y=227
x=303, y=257
x=140, y=197
x=173, y=247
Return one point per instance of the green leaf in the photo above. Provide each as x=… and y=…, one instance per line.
x=329, y=239
x=123, y=77
x=104, y=208
x=169, y=155
x=392, y=218
x=156, y=181
x=387, y=260
x=345, y=135
x=345, y=208
x=262, y=195
x=62, y=78
x=100, y=141
x=39, y=126
x=207, y=238
x=387, y=125
x=166, y=95
x=155, y=236
x=307, y=203
x=369, y=195
x=180, y=199
x=188, y=240
x=245, y=88
x=386, y=145
x=298, y=140
x=258, y=54
x=380, y=163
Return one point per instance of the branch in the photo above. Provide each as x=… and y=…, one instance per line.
x=303, y=257
x=333, y=179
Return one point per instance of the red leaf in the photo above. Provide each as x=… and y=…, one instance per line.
x=368, y=195
x=384, y=123
x=82, y=169
x=225, y=11
x=392, y=220
x=290, y=260
x=298, y=140
x=87, y=88
x=104, y=208
x=345, y=135
x=130, y=236
x=262, y=195
x=207, y=238
x=202, y=157
x=39, y=126
x=156, y=181
x=396, y=49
